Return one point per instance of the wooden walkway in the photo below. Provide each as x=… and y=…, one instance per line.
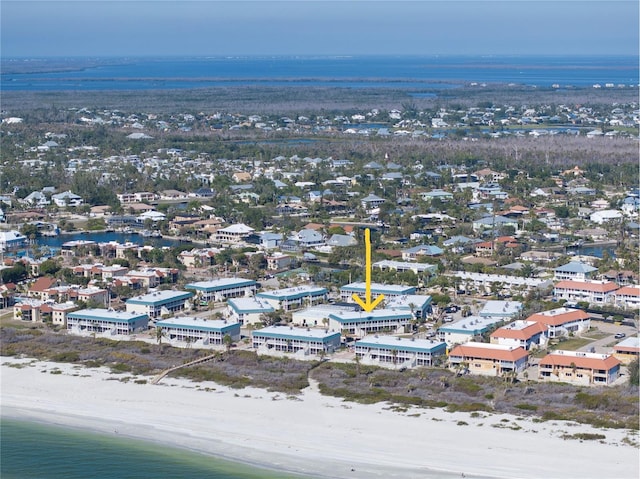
x=160, y=376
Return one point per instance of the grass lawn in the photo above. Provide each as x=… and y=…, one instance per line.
x=597, y=334
x=571, y=344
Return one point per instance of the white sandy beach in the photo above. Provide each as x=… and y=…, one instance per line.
x=310, y=434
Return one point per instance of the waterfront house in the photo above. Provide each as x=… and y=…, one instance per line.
x=488, y=359
x=579, y=368
x=66, y=198
x=12, y=239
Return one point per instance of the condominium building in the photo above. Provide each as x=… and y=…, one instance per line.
x=627, y=297
x=593, y=292
x=248, y=311
x=222, y=288
x=106, y=321
x=489, y=359
x=389, y=290
x=525, y=334
x=403, y=352
x=467, y=329
x=156, y=304
x=294, y=298
x=579, y=368
x=361, y=323
x=562, y=321
x=289, y=339
x=198, y=331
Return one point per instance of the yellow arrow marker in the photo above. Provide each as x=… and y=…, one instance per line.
x=367, y=304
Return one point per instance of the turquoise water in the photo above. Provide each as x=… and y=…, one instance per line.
x=348, y=72
x=36, y=451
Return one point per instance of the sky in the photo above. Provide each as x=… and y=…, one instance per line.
x=45, y=28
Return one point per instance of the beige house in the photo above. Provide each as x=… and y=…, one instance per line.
x=488, y=359
x=579, y=368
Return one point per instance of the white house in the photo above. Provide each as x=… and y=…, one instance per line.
x=602, y=216
x=66, y=199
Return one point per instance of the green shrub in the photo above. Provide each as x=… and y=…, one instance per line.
x=527, y=407
x=66, y=357
x=121, y=368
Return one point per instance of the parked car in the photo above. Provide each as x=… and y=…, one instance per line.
x=619, y=335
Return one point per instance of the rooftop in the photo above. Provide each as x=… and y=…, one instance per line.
x=396, y=342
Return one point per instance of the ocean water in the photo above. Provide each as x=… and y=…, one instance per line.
x=427, y=72
x=37, y=451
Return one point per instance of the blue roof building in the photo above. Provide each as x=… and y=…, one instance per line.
x=501, y=309
x=304, y=341
x=106, y=321
x=294, y=298
x=361, y=323
x=467, y=329
x=198, y=331
x=158, y=303
x=411, y=254
x=223, y=288
x=389, y=290
x=418, y=305
x=248, y=310
x=397, y=351
x=574, y=270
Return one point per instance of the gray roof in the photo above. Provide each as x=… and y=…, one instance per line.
x=575, y=267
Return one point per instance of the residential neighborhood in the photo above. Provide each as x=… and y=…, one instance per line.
x=493, y=267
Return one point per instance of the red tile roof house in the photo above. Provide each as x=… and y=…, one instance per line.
x=627, y=297
x=526, y=334
x=562, y=321
x=579, y=368
x=593, y=292
x=40, y=285
x=489, y=359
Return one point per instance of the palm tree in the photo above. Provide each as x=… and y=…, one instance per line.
x=356, y=360
x=227, y=340
x=159, y=335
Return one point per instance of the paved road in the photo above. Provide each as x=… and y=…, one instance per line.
x=603, y=345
